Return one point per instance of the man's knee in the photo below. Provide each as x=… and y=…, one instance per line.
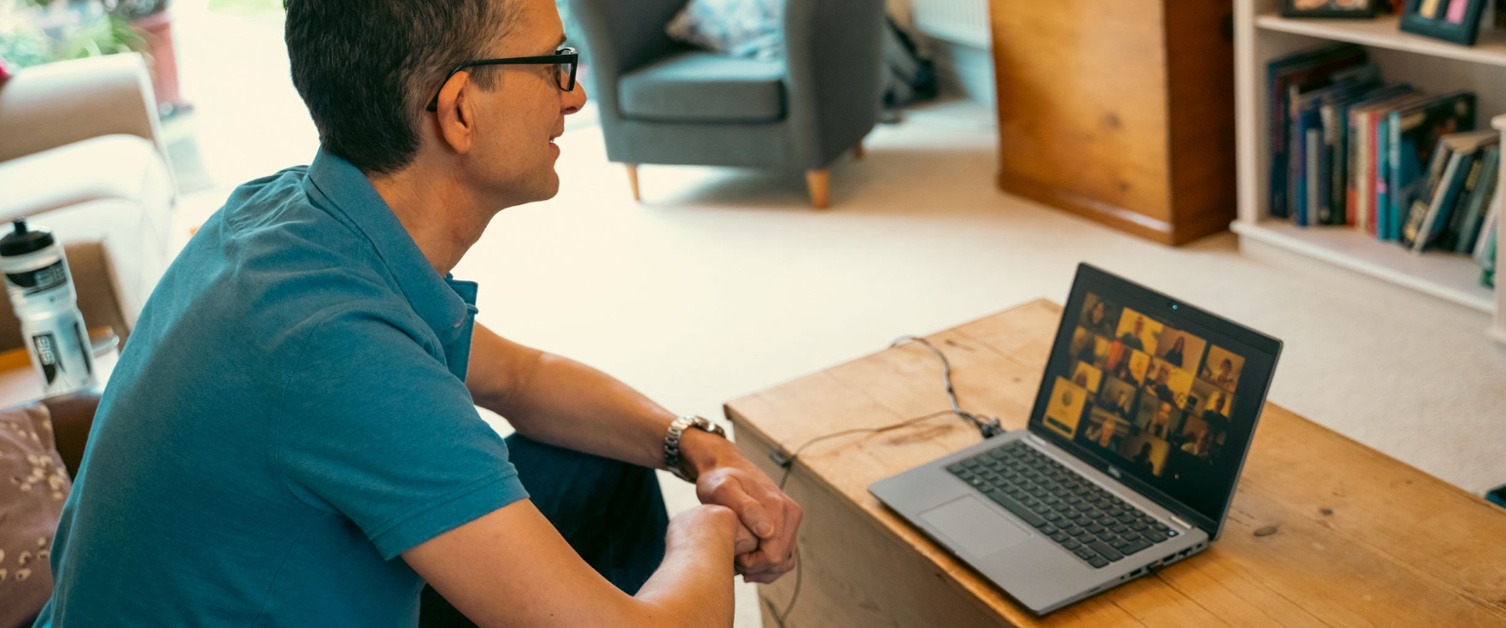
x=611, y=512
x=568, y=483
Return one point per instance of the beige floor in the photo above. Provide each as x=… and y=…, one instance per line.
x=723, y=282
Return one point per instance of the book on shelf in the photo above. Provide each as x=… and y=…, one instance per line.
x=1433, y=219
x=1413, y=134
x=1381, y=182
x=1339, y=143
x=1428, y=182
x=1312, y=68
x=1485, y=250
x=1424, y=212
x=1358, y=143
x=1458, y=229
x=1489, y=254
x=1477, y=205
x=1436, y=163
x=1365, y=121
x=1306, y=195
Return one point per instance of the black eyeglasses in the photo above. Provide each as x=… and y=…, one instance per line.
x=565, y=60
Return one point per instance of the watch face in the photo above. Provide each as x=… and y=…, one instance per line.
x=706, y=425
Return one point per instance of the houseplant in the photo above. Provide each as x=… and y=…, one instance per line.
x=153, y=19
x=33, y=32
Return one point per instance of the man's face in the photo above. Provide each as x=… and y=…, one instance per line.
x=1139, y=325
x=518, y=120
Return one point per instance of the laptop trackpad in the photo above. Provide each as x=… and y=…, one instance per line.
x=973, y=527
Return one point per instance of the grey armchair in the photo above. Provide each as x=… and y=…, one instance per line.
x=664, y=103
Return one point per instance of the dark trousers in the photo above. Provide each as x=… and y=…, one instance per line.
x=611, y=512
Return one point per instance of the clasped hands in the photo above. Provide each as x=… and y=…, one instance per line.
x=772, y=518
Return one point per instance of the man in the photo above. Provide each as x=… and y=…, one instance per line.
x=1106, y=434
x=1121, y=405
x=290, y=436
x=1131, y=339
x=1161, y=386
x=1162, y=421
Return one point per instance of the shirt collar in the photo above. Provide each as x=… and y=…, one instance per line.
x=442, y=302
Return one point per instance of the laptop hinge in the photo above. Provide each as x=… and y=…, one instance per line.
x=1182, y=523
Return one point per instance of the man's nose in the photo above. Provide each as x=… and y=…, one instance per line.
x=574, y=99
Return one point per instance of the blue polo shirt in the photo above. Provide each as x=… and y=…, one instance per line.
x=289, y=416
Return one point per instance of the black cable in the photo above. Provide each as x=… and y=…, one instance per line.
x=989, y=427
x=789, y=465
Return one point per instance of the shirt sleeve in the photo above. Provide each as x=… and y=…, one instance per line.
x=376, y=428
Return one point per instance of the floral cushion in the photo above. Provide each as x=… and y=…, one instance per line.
x=33, y=484
x=740, y=28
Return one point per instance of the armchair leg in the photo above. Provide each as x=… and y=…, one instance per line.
x=632, y=170
x=857, y=151
x=819, y=182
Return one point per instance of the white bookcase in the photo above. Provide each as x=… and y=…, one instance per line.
x=1261, y=35
x=1498, y=330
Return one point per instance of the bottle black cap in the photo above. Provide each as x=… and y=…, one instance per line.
x=23, y=241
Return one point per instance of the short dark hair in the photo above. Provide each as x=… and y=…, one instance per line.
x=366, y=68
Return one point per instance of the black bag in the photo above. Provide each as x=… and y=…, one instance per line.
x=907, y=76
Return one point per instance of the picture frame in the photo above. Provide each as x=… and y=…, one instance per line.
x=1350, y=9
x=1455, y=21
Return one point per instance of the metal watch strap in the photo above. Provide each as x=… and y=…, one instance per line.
x=672, y=458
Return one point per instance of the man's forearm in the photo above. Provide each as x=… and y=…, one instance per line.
x=562, y=402
x=694, y=584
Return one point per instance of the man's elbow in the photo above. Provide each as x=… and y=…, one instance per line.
x=694, y=613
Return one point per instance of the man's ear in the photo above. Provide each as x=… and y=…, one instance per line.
x=455, y=113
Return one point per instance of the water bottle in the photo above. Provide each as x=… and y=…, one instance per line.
x=41, y=290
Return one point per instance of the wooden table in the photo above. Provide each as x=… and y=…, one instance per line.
x=1323, y=531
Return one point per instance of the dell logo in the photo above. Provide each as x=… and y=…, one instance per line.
x=1114, y=472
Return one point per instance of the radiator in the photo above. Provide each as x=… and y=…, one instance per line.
x=957, y=21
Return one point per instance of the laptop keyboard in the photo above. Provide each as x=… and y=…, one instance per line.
x=1075, y=513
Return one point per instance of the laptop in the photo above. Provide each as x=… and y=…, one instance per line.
x=1134, y=447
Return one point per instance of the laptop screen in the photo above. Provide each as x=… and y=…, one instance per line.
x=1156, y=390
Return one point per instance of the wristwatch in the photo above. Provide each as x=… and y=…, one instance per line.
x=672, y=458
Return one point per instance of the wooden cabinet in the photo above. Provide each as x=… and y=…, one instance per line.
x=1122, y=112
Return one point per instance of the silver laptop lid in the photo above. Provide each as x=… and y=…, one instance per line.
x=1160, y=394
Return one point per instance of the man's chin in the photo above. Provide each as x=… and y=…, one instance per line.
x=543, y=190
x=551, y=186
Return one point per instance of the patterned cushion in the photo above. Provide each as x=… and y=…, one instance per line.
x=741, y=28
x=33, y=484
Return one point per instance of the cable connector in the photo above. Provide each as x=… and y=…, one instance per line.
x=991, y=428
x=779, y=459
